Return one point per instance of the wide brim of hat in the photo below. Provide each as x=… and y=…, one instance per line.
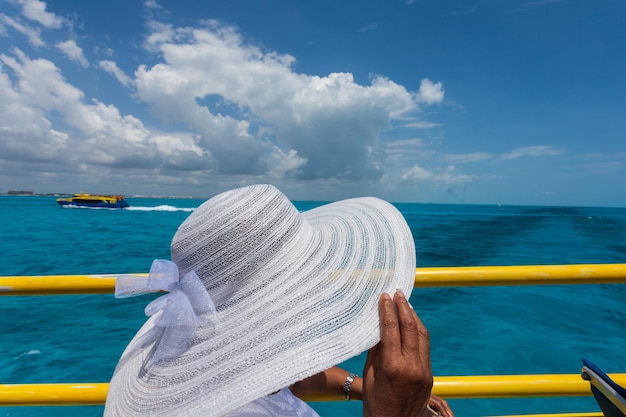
x=318, y=308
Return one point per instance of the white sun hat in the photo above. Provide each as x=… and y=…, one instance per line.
x=288, y=295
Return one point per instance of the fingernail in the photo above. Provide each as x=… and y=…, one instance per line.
x=400, y=292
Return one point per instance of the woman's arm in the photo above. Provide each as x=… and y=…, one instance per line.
x=400, y=377
x=328, y=384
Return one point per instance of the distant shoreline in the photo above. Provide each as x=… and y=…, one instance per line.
x=32, y=194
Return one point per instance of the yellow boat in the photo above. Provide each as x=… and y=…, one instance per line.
x=94, y=201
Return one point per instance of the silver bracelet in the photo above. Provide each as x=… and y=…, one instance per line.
x=348, y=385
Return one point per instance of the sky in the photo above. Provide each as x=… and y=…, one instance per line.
x=457, y=101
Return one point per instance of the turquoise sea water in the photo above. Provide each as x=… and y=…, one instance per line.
x=474, y=331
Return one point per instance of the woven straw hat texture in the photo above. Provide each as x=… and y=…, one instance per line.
x=295, y=293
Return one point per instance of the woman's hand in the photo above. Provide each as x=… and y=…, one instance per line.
x=397, y=379
x=440, y=406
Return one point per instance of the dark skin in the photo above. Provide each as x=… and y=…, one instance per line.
x=397, y=378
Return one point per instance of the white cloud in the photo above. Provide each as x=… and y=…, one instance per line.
x=444, y=176
x=26, y=133
x=33, y=35
x=286, y=162
x=93, y=134
x=112, y=68
x=151, y=4
x=368, y=27
x=241, y=114
x=403, y=151
x=406, y=145
x=236, y=96
x=421, y=125
x=33, y=10
x=468, y=157
x=36, y=10
x=417, y=173
x=429, y=92
x=73, y=52
x=159, y=33
x=536, y=150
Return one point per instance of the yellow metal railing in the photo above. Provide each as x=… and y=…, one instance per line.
x=520, y=275
x=84, y=393
x=424, y=277
x=597, y=414
x=450, y=387
x=487, y=386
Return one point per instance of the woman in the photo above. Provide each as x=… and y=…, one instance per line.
x=261, y=296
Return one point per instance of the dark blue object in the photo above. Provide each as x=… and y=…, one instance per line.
x=610, y=396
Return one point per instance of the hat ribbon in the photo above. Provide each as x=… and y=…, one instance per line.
x=187, y=306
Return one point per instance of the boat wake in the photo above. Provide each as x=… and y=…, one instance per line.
x=160, y=208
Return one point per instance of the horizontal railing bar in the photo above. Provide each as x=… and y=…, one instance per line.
x=424, y=277
x=512, y=386
x=59, y=284
x=449, y=387
x=589, y=414
x=521, y=275
x=53, y=394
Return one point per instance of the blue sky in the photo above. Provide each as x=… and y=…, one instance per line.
x=487, y=101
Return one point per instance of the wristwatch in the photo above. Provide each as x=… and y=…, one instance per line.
x=348, y=385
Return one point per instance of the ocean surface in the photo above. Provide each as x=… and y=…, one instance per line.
x=474, y=331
